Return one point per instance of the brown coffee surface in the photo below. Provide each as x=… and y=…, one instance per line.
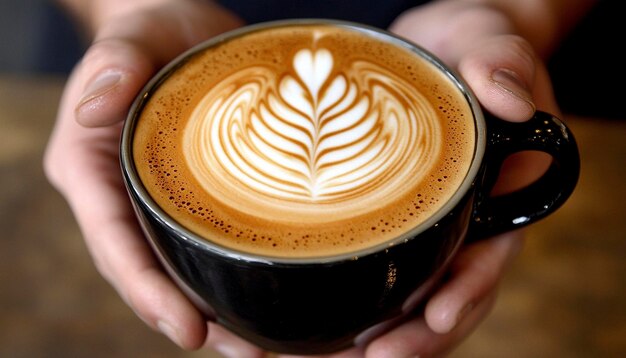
x=303, y=141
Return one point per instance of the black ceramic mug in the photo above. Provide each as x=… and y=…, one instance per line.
x=323, y=303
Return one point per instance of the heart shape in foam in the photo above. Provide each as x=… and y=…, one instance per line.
x=313, y=68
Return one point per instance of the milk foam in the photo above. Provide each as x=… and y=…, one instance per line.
x=303, y=141
x=269, y=143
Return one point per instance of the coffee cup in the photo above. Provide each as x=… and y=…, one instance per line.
x=307, y=182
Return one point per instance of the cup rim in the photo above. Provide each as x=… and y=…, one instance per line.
x=136, y=187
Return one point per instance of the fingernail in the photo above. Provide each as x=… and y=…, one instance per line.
x=513, y=84
x=103, y=83
x=169, y=331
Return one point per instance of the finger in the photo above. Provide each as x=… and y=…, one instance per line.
x=450, y=29
x=457, y=307
x=114, y=72
x=230, y=345
x=502, y=73
x=510, y=82
x=474, y=273
x=416, y=339
x=128, y=50
x=82, y=164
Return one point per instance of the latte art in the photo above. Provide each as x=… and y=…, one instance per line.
x=320, y=136
x=303, y=141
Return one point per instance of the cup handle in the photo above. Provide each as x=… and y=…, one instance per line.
x=543, y=132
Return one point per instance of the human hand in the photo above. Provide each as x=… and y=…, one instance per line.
x=510, y=81
x=82, y=158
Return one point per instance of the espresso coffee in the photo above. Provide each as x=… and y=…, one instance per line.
x=304, y=141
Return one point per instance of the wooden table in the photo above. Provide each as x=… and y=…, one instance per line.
x=564, y=297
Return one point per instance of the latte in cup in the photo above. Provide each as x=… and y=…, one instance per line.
x=304, y=141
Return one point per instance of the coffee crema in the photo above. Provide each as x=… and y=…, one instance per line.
x=303, y=141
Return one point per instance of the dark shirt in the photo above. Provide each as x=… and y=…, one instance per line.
x=378, y=13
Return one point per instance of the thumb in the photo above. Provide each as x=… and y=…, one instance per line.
x=501, y=71
x=128, y=49
x=510, y=82
x=112, y=72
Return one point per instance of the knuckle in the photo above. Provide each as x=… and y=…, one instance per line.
x=521, y=50
x=104, y=269
x=99, y=53
x=51, y=167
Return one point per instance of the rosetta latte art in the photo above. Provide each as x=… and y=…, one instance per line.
x=311, y=139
